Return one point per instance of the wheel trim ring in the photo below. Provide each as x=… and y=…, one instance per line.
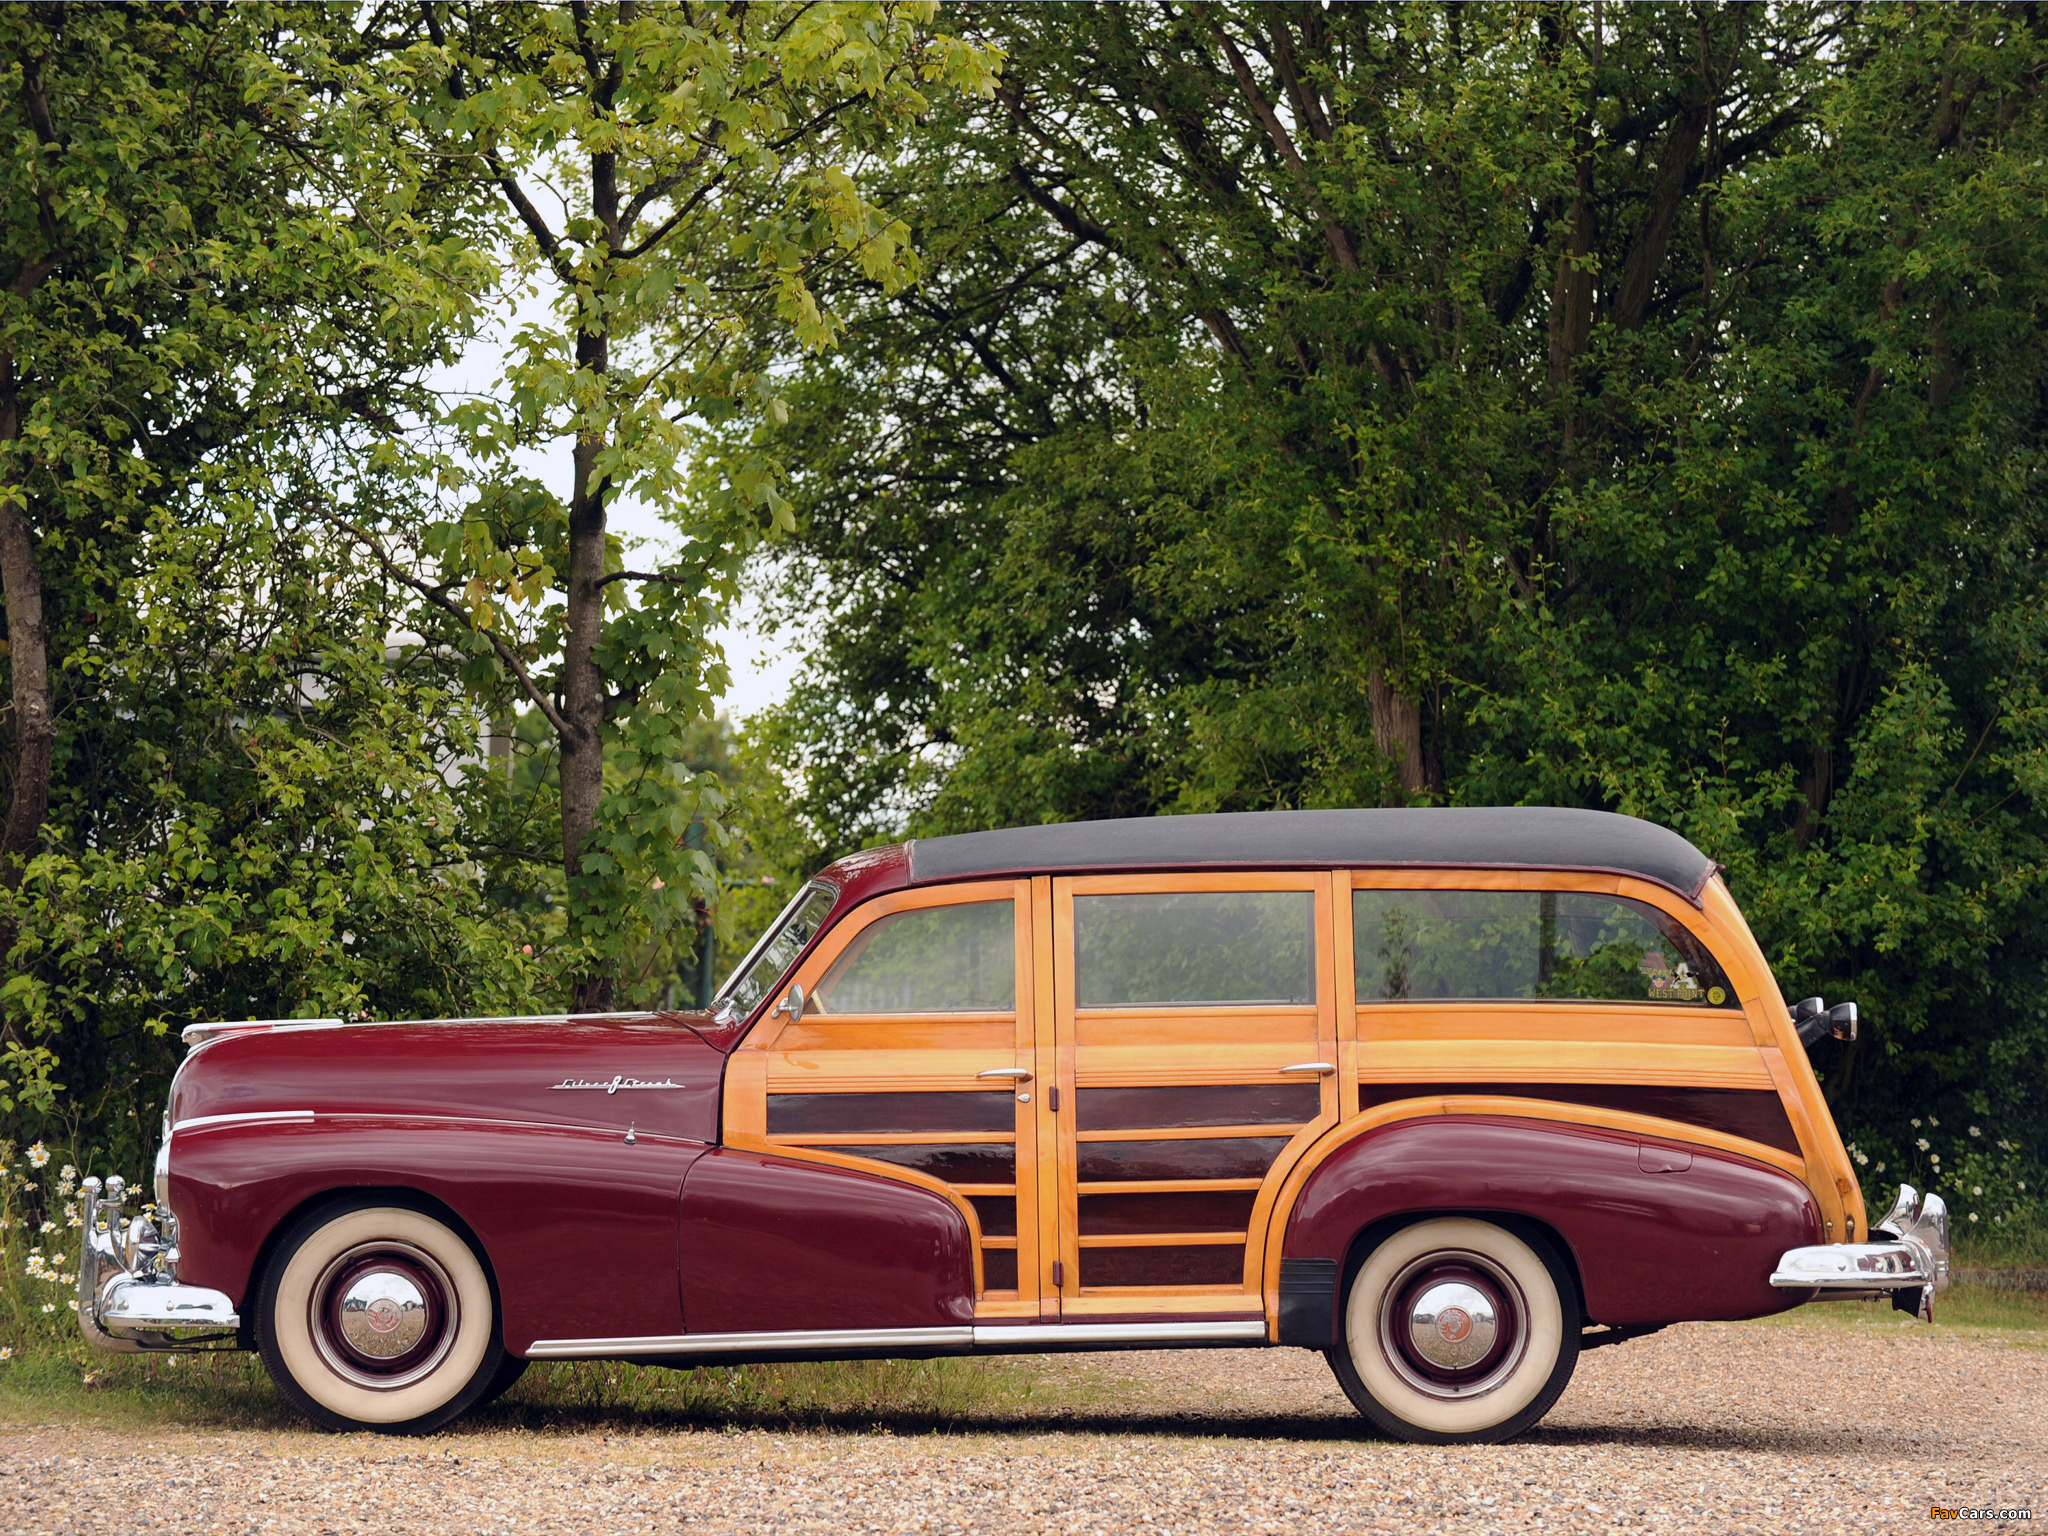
x=1415, y=1276
x=444, y=1313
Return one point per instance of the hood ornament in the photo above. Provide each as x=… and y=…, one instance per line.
x=616, y=1085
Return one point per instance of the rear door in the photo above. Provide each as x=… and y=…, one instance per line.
x=1194, y=1056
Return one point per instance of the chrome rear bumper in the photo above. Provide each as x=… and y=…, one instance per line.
x=1912, y=1268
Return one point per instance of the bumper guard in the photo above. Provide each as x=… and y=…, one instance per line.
x=129, y=1299
x=1912, y=1269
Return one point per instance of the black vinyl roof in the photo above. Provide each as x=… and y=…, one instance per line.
x=1503, y=837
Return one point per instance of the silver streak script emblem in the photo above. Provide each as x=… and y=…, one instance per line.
x=613, y=1086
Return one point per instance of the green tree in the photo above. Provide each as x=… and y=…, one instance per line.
x=675, y=178
x=223, y=799
x=1635, y=407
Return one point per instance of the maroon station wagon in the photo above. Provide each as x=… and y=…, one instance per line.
x=1450, y=1096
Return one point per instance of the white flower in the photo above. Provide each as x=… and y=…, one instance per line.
x=1880, y=1167
x=1862, y=1161
x=49, y=1306
x=6, y=1352
x=1975, y=1132
x=1973, y=1215
x=1932, y=1121
x=38, y=1155
x=48, y=1226
x=1916, y=1123
x=1921, y=1143
x=1976, y=1189
x=67, y=1172
x=91, y=1378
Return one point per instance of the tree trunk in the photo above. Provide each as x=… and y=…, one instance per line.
x=583, y=692
x=1397, y=731
x=28, y=661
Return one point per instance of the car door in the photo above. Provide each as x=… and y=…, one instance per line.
x=912, y=1057
x=1195, y=1055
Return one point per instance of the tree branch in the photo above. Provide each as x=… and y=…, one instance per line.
x=442, y=601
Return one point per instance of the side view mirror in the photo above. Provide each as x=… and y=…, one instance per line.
x=792, y=1002
x=1817, y=1021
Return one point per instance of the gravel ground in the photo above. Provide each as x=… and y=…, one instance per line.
x=1703, y=1428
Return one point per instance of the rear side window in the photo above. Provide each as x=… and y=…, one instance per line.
x=1416, y=946
x=1199, y=948
x=958, y=959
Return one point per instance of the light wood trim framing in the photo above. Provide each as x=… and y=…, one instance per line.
x=1163, y=1240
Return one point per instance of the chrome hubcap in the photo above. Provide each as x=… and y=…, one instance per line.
x=384, y=1315
x=1453, y=1325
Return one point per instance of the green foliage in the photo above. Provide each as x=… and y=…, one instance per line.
x=213, y=296
x=698, y=166
x=1635, y=408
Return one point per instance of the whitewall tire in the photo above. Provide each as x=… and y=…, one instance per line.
x=379, y=1317
x=1458, y=1330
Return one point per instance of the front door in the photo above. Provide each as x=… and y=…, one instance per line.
x=1194, y=1055
x=913, y=1056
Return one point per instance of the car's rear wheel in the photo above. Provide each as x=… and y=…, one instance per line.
x=379, y=1317
x=1458, y=1330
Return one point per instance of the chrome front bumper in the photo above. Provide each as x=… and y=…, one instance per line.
x=1912, y=1268
x=129, y=1299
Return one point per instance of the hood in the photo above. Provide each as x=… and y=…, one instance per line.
x=650, y=1072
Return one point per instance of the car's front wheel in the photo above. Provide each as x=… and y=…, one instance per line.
x=1458, y=1330
x=379, y=1317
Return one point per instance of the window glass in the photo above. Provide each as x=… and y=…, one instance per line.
x=1417, y=945
x=934, y=960
x=1200, y=947
x=759, y=972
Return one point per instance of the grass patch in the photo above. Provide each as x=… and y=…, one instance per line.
x=73, y=1385
x=2020, y=1317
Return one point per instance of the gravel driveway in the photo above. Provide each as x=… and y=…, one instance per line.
x=1706, y=1427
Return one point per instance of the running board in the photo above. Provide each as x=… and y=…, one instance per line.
x=888, y=1340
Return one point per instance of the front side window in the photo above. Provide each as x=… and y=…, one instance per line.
x=774, y=955
x=1200, y=948
x=957, y=959
x=1424, y=945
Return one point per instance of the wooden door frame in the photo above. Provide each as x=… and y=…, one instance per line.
x=1060, y=1219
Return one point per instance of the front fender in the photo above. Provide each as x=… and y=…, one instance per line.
x=579, y=1226
x=1696, y=1239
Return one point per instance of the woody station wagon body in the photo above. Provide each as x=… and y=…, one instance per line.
x=1450, y=1095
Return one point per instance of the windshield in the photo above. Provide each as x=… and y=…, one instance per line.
x=765, y=964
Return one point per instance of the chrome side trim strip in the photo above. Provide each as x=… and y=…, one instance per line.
x=1048, y=1334
x=744, y=1343
x=247, y=1117
x=1114, y=1333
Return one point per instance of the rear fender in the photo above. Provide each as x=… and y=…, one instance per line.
x=1695, y=1239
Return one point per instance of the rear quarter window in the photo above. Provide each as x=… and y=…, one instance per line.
x=1439, y=945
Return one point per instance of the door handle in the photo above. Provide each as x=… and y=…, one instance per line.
x=1014, y=1074
x=1320, y=1068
